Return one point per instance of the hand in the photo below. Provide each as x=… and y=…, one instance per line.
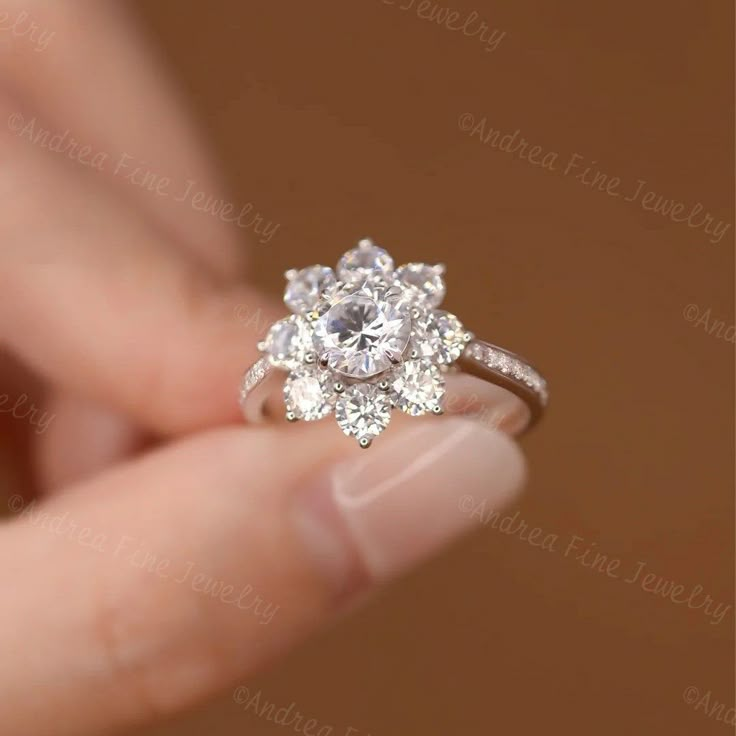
x=164, y=551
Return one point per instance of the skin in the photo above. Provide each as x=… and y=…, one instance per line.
x=143, y=492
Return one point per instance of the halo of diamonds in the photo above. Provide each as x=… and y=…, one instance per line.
x=364, y=340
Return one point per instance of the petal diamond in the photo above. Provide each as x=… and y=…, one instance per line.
x=364, y=262
x=363, y=411
x=418, y=387
x=288, y=341
x=448, y=336
x=308, y=394
x=422, y=282
x=308, y=287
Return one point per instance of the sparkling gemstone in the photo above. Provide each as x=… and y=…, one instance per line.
x=363, y=411
x=422, y=282
x=308, y=394
x=288, y=342
x=448, y=336
x=418, y=387
x=304, y=291
x=363, y=262
x=363, y=334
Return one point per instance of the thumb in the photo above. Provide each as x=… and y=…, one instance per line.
x=155, y=585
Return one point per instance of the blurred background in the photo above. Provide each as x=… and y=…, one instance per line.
x=602, y=249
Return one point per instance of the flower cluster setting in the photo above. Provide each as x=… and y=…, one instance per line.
x=364, y=340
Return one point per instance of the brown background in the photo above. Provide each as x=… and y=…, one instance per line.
x=340, y=119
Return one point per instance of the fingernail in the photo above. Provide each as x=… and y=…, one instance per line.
x=378, y=515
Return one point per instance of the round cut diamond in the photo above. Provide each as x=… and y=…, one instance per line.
x=363, y=411
x=447, y=335
x=308, y=393
x=288, y=342
x=363, y=262
x=304, y=291
x=363, y=334
x=422, y=282
x=418, y=387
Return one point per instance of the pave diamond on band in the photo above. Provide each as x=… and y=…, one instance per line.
x=370, y=339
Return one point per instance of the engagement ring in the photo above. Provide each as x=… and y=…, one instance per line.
x=369, y=339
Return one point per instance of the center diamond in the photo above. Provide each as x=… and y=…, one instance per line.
x=361, y=335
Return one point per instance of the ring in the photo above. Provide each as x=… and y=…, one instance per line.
x=368, y=339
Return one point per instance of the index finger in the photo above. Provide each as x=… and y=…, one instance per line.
x=87, y=72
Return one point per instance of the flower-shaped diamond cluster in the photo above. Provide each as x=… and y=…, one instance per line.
x=365, y=340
